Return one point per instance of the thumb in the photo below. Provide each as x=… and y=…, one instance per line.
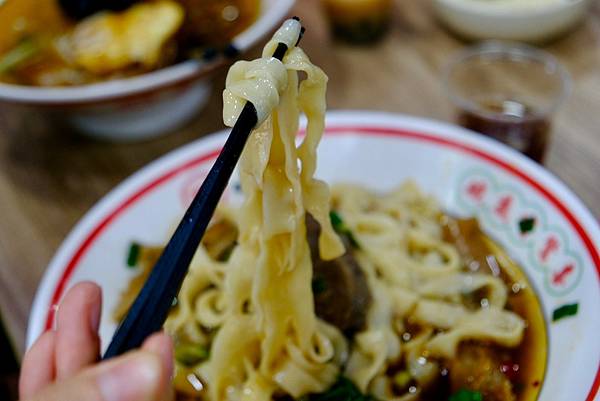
x=137, y=376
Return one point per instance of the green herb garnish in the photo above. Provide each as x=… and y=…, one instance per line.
x=190, y=354
x=336, y=221
x=342, y=390
x=319, y=285
x=133, y=255
x=352, y=240
x=565, y=311
x=527, y=225
x=466, y=395
x=22, y=52
x=340, y=227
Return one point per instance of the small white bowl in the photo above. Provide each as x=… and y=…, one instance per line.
x=538, y=21
x=146, y=105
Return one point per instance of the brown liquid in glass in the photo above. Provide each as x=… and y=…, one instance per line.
x=513, y=123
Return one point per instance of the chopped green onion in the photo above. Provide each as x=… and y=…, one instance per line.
x=319, y=285
x=336, y=221
x=565, y=311
x=23, y=51
x=342, y=390
x=352, y=240
x=133, y=255
x=340, y=227
x=402, y=379
x=466, y=395
x=190, y=354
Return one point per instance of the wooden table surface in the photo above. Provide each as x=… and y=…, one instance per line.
x=49, y=177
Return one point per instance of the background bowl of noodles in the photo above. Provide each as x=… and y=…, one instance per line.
x=145, y=105
x=534, y=217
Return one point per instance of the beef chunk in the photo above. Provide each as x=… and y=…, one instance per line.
x=340, y=287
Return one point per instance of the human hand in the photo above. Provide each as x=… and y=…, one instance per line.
x=62, y=365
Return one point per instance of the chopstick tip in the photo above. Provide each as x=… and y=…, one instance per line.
x=302, y=30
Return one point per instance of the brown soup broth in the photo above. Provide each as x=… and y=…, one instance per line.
x=530, y=356
x=524, y=365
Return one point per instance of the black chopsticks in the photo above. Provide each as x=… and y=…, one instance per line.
x=151, y=307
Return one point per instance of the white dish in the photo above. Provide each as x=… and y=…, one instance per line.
x=518, y=20
x=379, y=151
x=146, y=105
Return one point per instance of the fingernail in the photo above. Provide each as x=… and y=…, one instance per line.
x=95, y=317
x=95, y=299
x=137, y=377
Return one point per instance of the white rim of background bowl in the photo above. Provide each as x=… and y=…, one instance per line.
x=118, y=88
x=489, y=9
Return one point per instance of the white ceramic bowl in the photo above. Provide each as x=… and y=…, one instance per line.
x=146, y=105
x=537, y=22
x=379, y=151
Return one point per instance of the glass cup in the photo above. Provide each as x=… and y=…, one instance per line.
x=509, y=92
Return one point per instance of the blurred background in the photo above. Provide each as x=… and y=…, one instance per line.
x=62, y=149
